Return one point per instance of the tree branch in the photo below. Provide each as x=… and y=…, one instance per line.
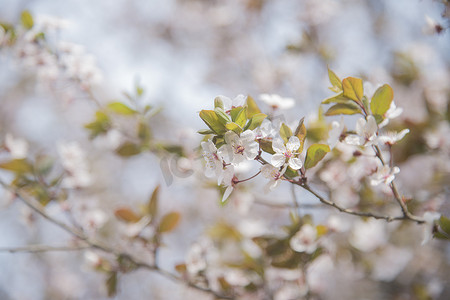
x=96, y=245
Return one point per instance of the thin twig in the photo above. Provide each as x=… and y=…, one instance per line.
x=43, y=248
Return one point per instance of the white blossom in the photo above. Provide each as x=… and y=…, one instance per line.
x=214, y=162
x=369, y=235
x=229, y=104
x=286, y=154
x=384, y=174
x=304, y=240
x=195, y=260
x=266, y=130
x=390, y=263
x=228, y=181
x=366, y=132
x=18, y=148
x=392, y=137
x=273, y=174
x=276, y=101
x=392, y=113
x=74, y=162
x=239, y=148
x=335, y=132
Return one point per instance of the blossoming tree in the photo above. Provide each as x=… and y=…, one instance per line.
x=367, y=208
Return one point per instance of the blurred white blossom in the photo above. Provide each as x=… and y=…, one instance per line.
x=17, y=147
x=276, y=101
x=305, y=239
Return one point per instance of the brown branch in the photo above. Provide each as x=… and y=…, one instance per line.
x=398, y=198
x=43, y=248
x=359, y=213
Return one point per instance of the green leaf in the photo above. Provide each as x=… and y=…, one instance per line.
x=314, y=154
x=241, y=117
x=234, y=127
x=212, y=120
x=343, y=109
x=218, y=102
x=19, y=166
x=120, y=108
x=444, y=223
x=152, y=205
x=26, y=19
x=101, y=125
x=266, y=146
x=285, y=132
x=253, y=108
x=353, y=88
x=169, y=222
x=300, y=132
x=339, y=98
x=127, y=215
x=255, y=121
x=335, y=81
x=205, y=131
x=128, y=149
x=111, y=284
x=222, y=115
x=381, y=100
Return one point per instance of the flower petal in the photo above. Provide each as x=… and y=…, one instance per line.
x=293, y=144
x=295, y=163
x=278, y=160
x=247, y=136
x=278, y=146
x=227, y=193
x=371, y=126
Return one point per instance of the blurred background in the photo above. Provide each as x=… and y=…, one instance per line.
x=183, y=53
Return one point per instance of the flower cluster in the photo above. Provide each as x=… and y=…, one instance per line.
x=242, y=133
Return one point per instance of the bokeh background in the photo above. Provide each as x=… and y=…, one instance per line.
x=184, y=53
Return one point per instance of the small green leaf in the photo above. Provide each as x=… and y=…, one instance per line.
x=335, y=81
x=444, y=223
x=353, y=88
x=343, y=109
x=253, y=108
x=169, y=222
x=241, y=117
x=255, y=121
x=127, y=215
x=120, y=108
x=339, y=98
x=152, y=205
x=128, y=149
x=205, y=131
x=101, y=125
x=212, y=120
x=111, y=284
x=266, y=146
x=315, y=153
x=381, y=100
x=222, y=115
x=234, y=127
x=218, y=102
x=285, y=132
x=18, y=166
x=26, y=19
x=300, y=132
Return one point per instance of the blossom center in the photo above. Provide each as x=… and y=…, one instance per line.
x=288, y=154
x=239, y=149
